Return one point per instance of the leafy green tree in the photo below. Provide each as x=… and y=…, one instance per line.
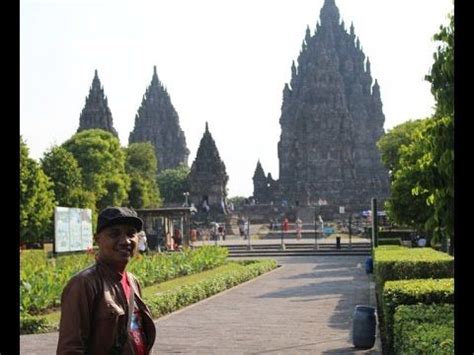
x=391, y=143
x=437, y=166
x=36, y=199
x=173, y=183
x=404, y=207
x=102, y=162
x=141, y=165
x=423, y=164
x=438, y=162
x=441, y=75
x=63, y=169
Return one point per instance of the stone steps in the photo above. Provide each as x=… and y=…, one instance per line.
x=296, y=249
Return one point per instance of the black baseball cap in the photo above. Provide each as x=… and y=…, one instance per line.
x=111, y=216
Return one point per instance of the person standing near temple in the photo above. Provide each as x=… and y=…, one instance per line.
x=299, y=226
x=102, y=310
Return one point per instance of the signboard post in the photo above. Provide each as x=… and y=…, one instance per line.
x=72, y=229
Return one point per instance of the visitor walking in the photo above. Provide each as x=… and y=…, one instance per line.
x=299, y=226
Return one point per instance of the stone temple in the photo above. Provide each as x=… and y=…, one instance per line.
x=331, y=119
x=208, y=178
x=96, y=112
x=157, y=122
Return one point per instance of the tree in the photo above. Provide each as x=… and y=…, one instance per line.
x=173, y=183
x=404, y=207
x=439, y=158
x=423, y=166
x=441, y=75
x=437, y=166
x=62, y=168
x=141, y=165
x=392, y=142
x=36, y=199
x=102, y=162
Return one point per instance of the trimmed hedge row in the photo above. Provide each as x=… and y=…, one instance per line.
x=424, y=329
x=171, y=301
x=383, y=234
x=401, y=263
x=390, y=241
x=42, y=280
x=410, y=292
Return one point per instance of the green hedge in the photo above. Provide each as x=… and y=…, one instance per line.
x=384, y=234
x=42, y=279
x=171, y=301
x=410, y=292
x=424, y=329
x=401, y=263
x=403, y=235
x=390, y=241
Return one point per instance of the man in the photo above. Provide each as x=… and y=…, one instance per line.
x=101, y=307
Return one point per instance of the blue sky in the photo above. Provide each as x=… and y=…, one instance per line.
x=224, y=62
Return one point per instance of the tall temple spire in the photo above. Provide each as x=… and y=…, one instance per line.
x=96, y=112
x=208, y=177
x=307, y=36
x=259, y=173
x=329, y=13
x=331, y=118
x=376, y=90
x=157, y=122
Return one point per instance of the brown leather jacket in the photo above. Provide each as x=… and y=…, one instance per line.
x=94, y=314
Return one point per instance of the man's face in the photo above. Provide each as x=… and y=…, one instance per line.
x=117, y=244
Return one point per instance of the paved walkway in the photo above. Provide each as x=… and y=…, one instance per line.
x=303, y=307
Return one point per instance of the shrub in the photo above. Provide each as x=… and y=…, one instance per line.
x=390, y=241
x=30, y=324
x=402, y=234
x=42, y=279
x=185, y=295
x=400, y=263
x=409, y=292
x=424, y=329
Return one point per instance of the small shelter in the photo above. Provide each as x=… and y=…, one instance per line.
x=161, y=224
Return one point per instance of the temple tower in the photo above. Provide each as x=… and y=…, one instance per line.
x=157, y=122
x=96, y=112
x=208, y=177
x=331, y=119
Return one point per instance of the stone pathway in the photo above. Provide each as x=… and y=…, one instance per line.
x=303, y=307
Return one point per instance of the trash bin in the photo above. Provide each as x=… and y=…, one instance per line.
x=338, y=242
x=363, y=327
x=369, y=265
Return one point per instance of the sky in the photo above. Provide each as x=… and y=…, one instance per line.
x=224, y=62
